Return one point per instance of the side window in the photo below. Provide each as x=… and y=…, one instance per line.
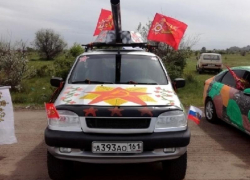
x=240, y=73
x=246, y=77
x=229, y=80
x=219, y=77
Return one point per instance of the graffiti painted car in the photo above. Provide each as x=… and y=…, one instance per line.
x=224, y=101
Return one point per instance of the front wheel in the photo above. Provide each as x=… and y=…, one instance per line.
x=175, y=169
x=58, y=169
x=210, y=111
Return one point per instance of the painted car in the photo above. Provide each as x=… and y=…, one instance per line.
x=224, y=101
x=118, y=107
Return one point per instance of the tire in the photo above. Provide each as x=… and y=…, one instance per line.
x=175, y=169
x=58, y=169
x=200, y=71
x=210, y=111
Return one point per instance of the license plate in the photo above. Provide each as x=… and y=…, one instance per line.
x=110, y=147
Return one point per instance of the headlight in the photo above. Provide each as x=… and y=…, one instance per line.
x=171, y=121
x=68, y=121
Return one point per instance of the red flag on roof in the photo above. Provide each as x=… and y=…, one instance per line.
x=168, y=30
x=51, y=111
x=105, y=22
x=240, y=83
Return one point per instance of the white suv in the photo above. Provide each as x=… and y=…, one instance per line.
x=210, y=62
x=118, y=106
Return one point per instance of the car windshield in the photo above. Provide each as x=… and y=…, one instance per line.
x=135, y=69
x=211, y=57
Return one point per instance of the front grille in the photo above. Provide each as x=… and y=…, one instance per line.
x=118, y=123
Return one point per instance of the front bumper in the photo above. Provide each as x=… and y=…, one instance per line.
x=89, y=157
x=211, y=67
x=153, y=145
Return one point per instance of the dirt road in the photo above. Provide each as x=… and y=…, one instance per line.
x=216, y=152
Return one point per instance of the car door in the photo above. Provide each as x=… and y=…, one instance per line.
x=214, y=92
x=232, y=99
x=243, y=101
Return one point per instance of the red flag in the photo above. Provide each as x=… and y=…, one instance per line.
x=168, y=30
x=240, y=83
x=51, y=111
x=105, y=22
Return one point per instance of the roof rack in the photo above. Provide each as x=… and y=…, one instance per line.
x=146, y=46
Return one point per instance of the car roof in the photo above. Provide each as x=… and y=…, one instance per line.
x=130, y=52
x=247, y=68
x=210, y=54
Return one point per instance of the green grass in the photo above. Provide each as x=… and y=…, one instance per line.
x=34, y=91
x=37, y=90
x=192, y=93
x=39, y=63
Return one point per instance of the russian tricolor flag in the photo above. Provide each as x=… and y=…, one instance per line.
x=195, y=114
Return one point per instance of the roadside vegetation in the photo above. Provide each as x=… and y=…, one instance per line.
x=28, y=69
x=37, y=90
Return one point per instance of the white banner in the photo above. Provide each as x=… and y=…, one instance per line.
x=7, y=129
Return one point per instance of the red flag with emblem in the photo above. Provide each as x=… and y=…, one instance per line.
x=51, y=111
x=168, y=30
x=105, y=22
x=240, y=83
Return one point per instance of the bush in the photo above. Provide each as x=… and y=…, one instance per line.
x=243, y=53
x=174, y=61
x=13, y=66
x=45, y=70
x=62, y=67
x=190, y=78
x=76, y=50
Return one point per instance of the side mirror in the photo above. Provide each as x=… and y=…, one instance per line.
x=247, y=91
x=179, y=83
x=56, y=81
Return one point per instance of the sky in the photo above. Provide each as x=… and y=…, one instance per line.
x=219, y=24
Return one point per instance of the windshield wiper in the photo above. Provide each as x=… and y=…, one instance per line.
x=148, y=83
x=132, y=82
x=86, y=81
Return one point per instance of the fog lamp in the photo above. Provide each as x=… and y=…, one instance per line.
x=169, y=150
x=65, y=150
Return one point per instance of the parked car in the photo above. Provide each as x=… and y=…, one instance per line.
x=209, y=62
x=118, y=106
x=224, y=101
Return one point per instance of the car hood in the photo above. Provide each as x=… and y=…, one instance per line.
x=118, y=95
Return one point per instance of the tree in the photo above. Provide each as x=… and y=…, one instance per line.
x=13, y=63
x=48, y=43
x=196, y=53
x=203, y=50
x=174, y=61
x=76, y=50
